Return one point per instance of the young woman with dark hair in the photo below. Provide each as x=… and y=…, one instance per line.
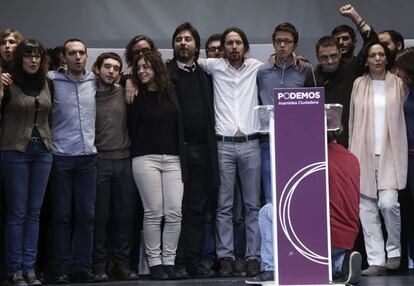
x=158, y=160
x=26, y=159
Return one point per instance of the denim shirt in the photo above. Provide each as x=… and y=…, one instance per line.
x=73, y=114
x=272, y=76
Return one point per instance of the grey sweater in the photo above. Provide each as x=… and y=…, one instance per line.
x=111, y=138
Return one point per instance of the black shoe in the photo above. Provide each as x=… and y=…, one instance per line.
x=226, y=267
x=239, y=267
x=123, y=272
x=17, y=280
x=253, y=267
x=265, y=276
x=60, y=279
x=170, y=271
x=101, y=277
x=82, y=276
x=100, y=274
x=157, y=272
x=201, y=272
x=32, y=280
x=181, y=272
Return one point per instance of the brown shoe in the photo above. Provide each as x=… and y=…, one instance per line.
x=393, y=263
x=374, y=270
x=226, y=267
x=253, y=267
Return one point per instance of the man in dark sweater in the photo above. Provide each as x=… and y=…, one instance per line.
x=195, y=94
x=116, y=194
x=336, y=77
x=338, y=67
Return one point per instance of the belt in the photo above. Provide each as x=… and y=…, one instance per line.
x=237, y=139
x=264, y=138
x=411, y=151
x=35, y=140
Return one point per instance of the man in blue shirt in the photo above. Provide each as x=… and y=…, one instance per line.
x=280, y=72
x=73, y=175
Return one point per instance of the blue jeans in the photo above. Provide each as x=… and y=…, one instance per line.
x=25, y=176
x=338, y=255
x=410, y=189
x=266, y=232
x=266, y=251
x=246, y=158
x=266, y=178
x=239, y=226
x=73, y=196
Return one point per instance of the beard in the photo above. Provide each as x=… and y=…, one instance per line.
x=183, y=54
x=348, y=53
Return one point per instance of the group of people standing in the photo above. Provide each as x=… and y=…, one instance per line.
x=179, y=139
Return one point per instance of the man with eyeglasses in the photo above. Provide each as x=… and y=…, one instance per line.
x=336, y=76
x=213, y=47
x=280, y=73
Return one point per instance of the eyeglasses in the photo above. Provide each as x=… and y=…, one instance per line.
x=213, y=49
x=141, y=51
x=31, y=56
x=325, y=58
x=284, y=41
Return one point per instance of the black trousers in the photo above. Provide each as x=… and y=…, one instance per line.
x=73, y=193
x=3, y=271
x=194, y=208
x=116, y=204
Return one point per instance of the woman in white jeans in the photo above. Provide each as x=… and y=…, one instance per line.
x=377, y=136
x=158, y=164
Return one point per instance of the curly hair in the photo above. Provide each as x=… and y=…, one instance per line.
x=129, y=54
x=30, y=47
x=161, y=74
x=405, y=61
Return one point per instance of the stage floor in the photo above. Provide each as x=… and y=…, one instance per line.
x=395, y=280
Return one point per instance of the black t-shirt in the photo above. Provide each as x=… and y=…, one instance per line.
x=153, y=125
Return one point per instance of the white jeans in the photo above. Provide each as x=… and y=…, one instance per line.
x=158, y=178
x=370, y=219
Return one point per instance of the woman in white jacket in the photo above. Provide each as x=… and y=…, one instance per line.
x=377, y=136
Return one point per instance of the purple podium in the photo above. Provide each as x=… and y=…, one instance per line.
x=299, y=178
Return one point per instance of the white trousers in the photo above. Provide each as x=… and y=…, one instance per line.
x=158, y=178
x=371, y=224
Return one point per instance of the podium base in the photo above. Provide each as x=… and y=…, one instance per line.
x=275, y=284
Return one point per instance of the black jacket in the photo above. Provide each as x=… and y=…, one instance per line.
x=208, y=103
